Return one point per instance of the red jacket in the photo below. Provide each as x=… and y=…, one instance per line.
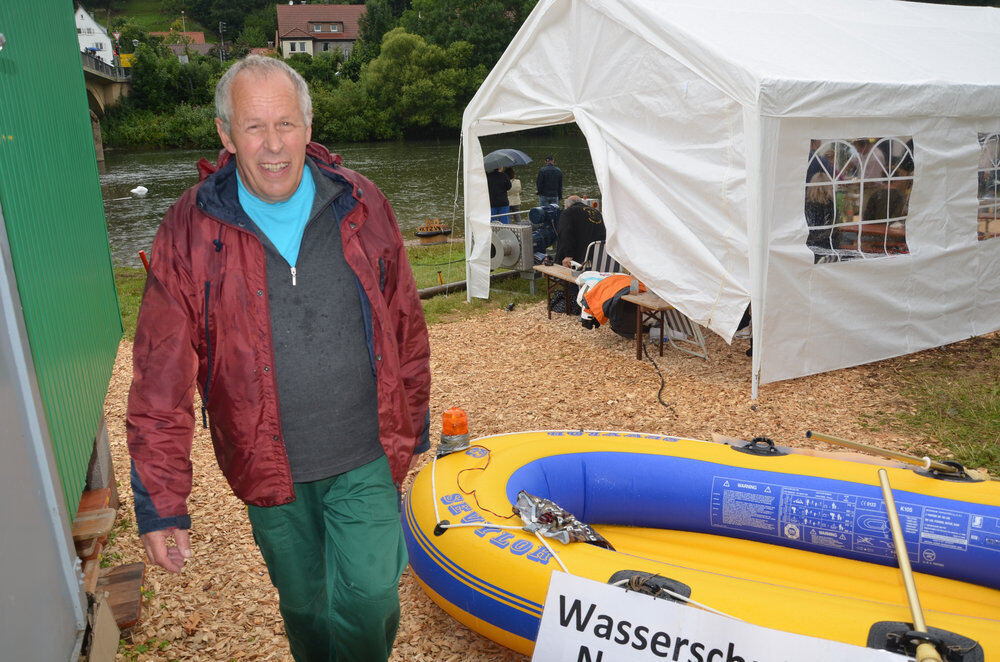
x=177, y=348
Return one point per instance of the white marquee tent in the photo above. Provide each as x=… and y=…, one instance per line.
x=701, y=115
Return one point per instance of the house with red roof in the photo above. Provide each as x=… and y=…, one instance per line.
x=314, y=29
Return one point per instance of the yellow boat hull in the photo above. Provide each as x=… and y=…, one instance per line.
x=494, y=580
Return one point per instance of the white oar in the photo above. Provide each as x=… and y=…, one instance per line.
x=926, y=652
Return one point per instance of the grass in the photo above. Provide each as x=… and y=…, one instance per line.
x=147, y=15
x=448, y=260
x=129, y=282
x=953, y=397
x=426, y=261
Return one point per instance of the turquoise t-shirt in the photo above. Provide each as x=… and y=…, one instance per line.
x=282, y=222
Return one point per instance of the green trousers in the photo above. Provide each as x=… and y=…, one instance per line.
x=335, y=554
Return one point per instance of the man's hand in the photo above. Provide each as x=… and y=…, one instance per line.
x=168, y=558
x=567, y=262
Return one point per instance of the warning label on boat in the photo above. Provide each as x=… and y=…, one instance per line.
x=832, y=521
x=743, y=504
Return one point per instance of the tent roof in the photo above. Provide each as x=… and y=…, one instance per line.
x=796, y=56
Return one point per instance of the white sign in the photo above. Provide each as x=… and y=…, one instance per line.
x=587, y=621
x=116, y=34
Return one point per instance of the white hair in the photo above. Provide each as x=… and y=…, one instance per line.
x=262, y=67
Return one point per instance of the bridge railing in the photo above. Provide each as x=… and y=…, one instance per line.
x=99, y=66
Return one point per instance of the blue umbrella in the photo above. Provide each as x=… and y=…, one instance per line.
x=504, y=158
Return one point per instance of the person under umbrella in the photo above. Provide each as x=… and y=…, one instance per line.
x=505, y=158
x=498, y=183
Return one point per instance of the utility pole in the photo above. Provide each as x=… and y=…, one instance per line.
x=222, y=38
x=184, y=40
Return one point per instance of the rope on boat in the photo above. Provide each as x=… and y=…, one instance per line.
x=553, y=552
x=434, y=497
x=437, y=513
x=442, y=525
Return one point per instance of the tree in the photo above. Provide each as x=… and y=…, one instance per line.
x=420, y=85
x=131, y=31
x=231, y=12
x=266, y=19
x=175, y=7
x=151, y=80
x=488, y=25
x=252, y=37
x=177, y=34
x=380, y=16
x=160, y=82
x=411, y=88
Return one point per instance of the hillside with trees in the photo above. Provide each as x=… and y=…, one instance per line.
x=414, y=68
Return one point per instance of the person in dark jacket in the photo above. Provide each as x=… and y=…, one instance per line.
x=549, y=183
x=819, y=212
x=281, y=277
x=498, y=183
x=579, y=224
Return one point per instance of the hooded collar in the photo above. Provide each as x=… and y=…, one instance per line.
x=218, y=193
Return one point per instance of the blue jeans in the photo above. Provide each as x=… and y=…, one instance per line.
x=548, y=200
x=500, y=210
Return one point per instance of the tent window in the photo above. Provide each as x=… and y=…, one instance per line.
x=989, y=187
x=857, y=197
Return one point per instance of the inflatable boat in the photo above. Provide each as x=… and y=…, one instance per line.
x=783, y=540
x=433, y=232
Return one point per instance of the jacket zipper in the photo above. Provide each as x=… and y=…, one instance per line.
x=267, y=314
x=208, y=356
x=293, y=276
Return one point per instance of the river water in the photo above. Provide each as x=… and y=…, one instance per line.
x=418, y=177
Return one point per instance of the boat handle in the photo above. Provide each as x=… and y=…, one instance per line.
x=762, y=446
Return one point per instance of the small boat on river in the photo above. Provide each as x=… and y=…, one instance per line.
x=433, y=232
x=785, y=540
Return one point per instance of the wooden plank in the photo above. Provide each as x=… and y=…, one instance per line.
x=95, y=555
x=91, y=573
x=556, y=271
x=93, y=524
x=86, y=548
x=647, y=300
x=92, y=500
x=104, y=633
x=124, y=588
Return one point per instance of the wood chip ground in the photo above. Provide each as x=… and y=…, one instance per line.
x=510, y=371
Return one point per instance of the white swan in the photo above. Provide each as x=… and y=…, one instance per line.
x=139, y=191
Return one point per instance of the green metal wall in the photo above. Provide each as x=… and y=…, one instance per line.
x=50, y=198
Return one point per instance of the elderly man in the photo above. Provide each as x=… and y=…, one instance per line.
x=279, y=286
x=579, y=225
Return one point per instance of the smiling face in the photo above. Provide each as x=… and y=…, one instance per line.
x=267, y=134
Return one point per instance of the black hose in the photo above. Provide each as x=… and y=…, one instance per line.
x=663, y=382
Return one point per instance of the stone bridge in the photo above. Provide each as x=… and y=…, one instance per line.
x=105, y=85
